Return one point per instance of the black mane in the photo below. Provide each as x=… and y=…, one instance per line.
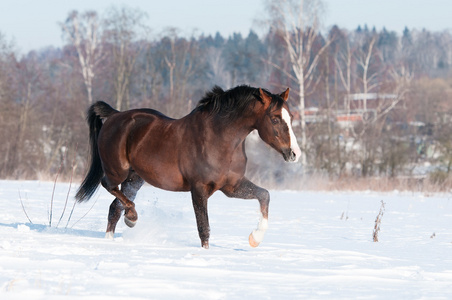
x=234, y=102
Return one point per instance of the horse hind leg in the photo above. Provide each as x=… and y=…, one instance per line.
x=114, y=214
x=130, y=216
x=129, y=188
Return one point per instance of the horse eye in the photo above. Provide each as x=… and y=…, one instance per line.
x=275, y=121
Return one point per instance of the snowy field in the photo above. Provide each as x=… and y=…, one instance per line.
x=319, y=246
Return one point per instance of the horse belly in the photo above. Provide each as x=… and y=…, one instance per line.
x=163, y=176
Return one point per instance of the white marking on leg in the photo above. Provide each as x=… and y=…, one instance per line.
x=109, y=235
x=258, y=234
x=293, y=139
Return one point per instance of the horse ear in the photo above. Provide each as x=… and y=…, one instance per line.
x=285, y=94
x=266, y=99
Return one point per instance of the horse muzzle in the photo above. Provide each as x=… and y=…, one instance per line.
x=290, y=155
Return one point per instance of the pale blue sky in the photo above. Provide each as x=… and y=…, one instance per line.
x=33, y=24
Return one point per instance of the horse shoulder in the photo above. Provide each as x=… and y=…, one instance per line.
x=237, y=167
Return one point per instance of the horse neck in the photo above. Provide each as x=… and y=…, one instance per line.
x=233, y=131
x=243, y=125
x=239, y=128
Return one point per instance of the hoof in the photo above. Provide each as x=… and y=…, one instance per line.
x=252, y=241
x=129, y=223
x=109, y=235
x=205, y=245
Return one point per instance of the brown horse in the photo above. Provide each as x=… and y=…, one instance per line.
x=201, y=153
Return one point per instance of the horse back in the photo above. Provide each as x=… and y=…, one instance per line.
x=167, y=153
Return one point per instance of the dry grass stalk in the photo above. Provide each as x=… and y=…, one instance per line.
x=23, y=208
x=378, y=221
x=70, y=184
x=54, y=185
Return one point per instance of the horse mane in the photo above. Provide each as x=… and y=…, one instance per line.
x=234, y=102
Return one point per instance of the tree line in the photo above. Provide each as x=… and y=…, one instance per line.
x=367, y=102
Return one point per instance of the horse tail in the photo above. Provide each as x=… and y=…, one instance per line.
x=96, y=113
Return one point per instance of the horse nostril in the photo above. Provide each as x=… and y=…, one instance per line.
x=293, y=156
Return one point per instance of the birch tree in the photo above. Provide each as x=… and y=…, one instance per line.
x=83, y=32
x=368, y=78
x=343, y=63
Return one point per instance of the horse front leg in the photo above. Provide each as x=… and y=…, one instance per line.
x=245, y=189
x=200, y=195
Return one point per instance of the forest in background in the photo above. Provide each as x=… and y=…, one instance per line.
x=368, y=104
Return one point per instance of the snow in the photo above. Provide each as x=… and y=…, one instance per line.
x=318, y=246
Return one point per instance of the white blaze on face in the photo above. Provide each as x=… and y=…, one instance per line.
x=293, y=140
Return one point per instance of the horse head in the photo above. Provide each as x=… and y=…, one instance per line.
x=275, y=126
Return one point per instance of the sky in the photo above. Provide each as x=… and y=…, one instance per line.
x=33, y=24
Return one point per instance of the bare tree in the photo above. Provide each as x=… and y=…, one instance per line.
x=367, y=77
x=8, y=107
x=170, y=60
x=124, y=28
x=180, y=59
x=83, y=32
x=149, y=80
x=373, y=76
x=297, y=23
x=218, y=67
x=343, y=62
